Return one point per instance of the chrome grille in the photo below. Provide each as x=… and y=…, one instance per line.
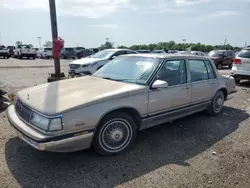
x=23, y=111
x=74, y=66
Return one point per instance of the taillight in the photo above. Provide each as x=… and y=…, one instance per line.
x=237, y=61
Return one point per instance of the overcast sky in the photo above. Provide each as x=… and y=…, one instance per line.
x=127, y=22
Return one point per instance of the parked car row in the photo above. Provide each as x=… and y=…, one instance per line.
x=129, y=93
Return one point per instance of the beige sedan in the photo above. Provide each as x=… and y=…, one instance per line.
x=106, y=110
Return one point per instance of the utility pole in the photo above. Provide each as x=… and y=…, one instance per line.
x=39, y=40
x=53, y=20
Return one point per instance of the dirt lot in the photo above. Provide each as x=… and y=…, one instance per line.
x=197, y=151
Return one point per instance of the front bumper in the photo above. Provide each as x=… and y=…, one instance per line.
x=4, y=54
x=62, y=143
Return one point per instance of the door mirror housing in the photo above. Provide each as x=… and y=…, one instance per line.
x=159, y=84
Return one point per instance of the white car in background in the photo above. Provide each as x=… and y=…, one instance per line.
x=44, y=53
x=241, y=66
x=91, y=64
x=199, y=53
x=24, y=50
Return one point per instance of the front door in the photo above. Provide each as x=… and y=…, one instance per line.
x=167, y=103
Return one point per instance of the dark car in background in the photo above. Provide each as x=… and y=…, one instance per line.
x=222, y=58
x=68, y=53
x=11, y=50
x=79, y=52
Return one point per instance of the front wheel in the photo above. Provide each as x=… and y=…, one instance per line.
x=216, y=106
x=115, y=134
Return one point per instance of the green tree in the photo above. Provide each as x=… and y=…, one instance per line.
x=19, y=42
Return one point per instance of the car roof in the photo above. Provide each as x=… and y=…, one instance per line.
x=165, y=56
x=116, y=49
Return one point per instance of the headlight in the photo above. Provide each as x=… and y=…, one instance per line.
x=46, y=124
x=39, y=121
x=93, y=64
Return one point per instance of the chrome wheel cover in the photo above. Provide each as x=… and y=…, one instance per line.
x=115, y=135
x=218, y=102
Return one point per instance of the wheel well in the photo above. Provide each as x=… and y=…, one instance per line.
x=224, y=92
x=130, y=111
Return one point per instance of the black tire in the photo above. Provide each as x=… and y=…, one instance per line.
x=219, y=65
x=8, y=57
x=19, y=56
x=73, y=57
x=124, y=129
x=230, y=66
x=237, y=80
x=218, y=100
x=34, y=57
x=64, y=57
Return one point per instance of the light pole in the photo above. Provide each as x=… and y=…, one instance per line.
x=53, y=20
x=39, y=40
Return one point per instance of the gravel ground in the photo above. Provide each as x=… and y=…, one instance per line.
x=196, y=151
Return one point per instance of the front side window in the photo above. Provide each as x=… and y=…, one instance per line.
x=130, y=69
x=198, y=70
x=173, y=72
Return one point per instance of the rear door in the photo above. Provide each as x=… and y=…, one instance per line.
x=203, y=81
x=244, y=56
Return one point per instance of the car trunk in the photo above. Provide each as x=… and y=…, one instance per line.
x=242, y=61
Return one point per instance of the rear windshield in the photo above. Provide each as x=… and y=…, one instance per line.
x=244, y=53
x=69, y=49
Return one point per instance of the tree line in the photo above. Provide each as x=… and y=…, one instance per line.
x=172, y=45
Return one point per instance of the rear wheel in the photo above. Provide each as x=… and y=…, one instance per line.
x=230, y=66
x=34, y=57
x=115, y=134
x=219, y=65
x=216, y=106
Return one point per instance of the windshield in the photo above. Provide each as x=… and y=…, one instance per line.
x=216, y=53
x=129, y=69
x=23, y=46
x=103, y=54
x=69, y=49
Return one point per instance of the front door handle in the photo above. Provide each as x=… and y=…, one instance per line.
x=185, y=88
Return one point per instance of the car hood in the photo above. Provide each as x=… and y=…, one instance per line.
x=58, y=97
x=86, y=61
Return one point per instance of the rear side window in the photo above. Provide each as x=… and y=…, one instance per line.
x=244, y=54
x=210, y=70
x=198, y=70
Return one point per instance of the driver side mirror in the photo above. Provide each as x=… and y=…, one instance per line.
x=159, y=84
